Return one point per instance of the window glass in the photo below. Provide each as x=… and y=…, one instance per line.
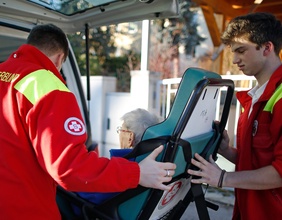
x=70, y=7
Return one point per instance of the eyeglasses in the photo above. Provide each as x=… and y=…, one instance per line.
x=119, y=129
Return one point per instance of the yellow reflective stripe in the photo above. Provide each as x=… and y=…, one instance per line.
x=273, y=99
x=39, y=83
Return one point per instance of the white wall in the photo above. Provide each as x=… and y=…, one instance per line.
x=117, y=104
x=99, y=87
x=143, y=89
x=107, y=106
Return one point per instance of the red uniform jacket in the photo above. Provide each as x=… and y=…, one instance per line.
x=42, y=136
x=259, y=143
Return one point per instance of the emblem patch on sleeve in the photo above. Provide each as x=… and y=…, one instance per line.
x=74, y=126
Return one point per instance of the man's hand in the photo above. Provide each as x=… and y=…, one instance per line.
x=209, y=171
x=224, y=145
x=153, y=174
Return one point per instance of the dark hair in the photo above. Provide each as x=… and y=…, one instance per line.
x=49, y=39
x=258, y=27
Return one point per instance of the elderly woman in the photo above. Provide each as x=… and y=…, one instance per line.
x=134, y=124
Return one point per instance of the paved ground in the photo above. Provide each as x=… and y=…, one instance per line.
x=223, y=197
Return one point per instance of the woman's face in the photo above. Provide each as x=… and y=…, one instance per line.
x=125, y=137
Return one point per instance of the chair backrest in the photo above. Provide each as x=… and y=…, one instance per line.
x=189, y=128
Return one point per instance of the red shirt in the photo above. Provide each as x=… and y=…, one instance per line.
x=42, y=136
x=259, y=144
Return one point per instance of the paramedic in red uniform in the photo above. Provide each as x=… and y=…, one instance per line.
x=255, y=40
x=42, y=136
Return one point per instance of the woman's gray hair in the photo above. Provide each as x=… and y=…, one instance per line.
x=138, y=121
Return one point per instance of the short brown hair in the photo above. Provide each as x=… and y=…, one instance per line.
x=258, y=27
x=49, y=39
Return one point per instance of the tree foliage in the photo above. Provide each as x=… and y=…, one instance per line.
x=189, y=36
x=102, y=59
x=101, y=47
x=169, y=35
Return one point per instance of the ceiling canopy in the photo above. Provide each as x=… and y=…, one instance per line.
x=232, y=8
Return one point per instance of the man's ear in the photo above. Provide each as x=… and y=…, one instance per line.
x=57, y=59
x=268, y=47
